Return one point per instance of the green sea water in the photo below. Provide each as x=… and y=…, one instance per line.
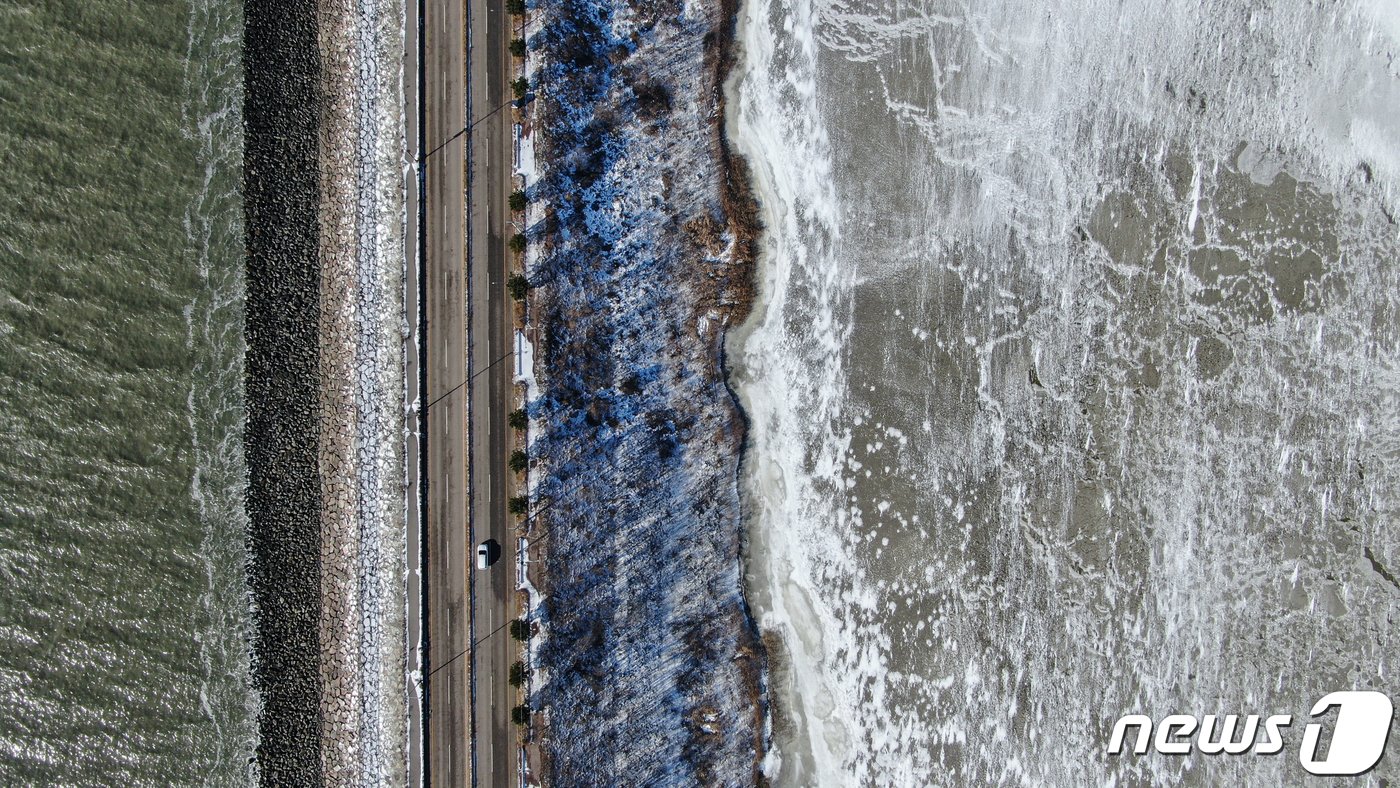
x=123, y=605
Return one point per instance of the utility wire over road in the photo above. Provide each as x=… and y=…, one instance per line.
x=457, y=387
x=473, y=645
x=467, y=129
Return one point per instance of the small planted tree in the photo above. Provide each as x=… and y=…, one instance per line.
x=515, y=7
x=517, y=419
x=520, y=86
x=518, y=200
x=518, y=460
x=517, y=47
x=520, y=715
x=518, y=674
x=519, y=504
x=520, y=629
x=517, y=242
x=518, y=286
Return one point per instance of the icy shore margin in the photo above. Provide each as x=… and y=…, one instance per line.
x=641, y=232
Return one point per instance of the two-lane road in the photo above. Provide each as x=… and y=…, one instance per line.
x=447, y=543
x=491, y=342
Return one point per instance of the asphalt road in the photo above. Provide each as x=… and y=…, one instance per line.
x=491, y=344
x=448, y=549
x=470, y=738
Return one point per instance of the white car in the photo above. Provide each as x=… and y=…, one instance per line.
x=486, y=553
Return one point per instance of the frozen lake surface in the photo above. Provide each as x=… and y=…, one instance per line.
x=1074, y=386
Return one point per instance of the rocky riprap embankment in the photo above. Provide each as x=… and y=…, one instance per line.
x=324, y=389
x=281, y=194
x=642, y=227
x=362, y=417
